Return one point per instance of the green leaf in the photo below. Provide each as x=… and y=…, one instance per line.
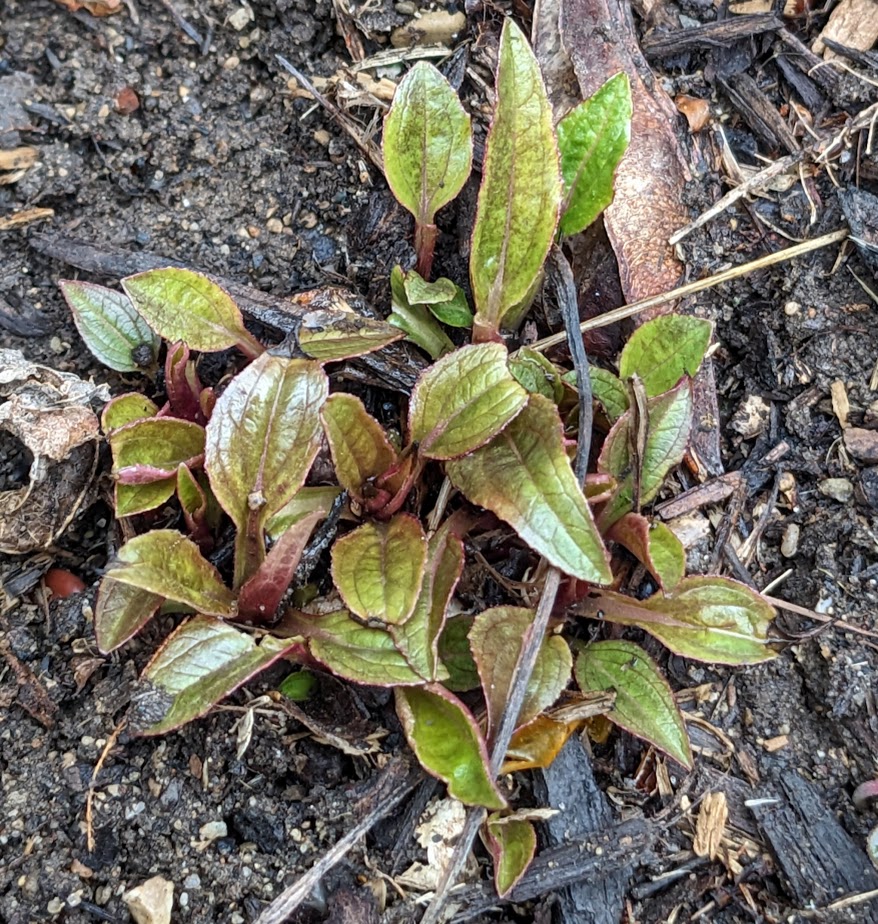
x=448, y=743
x=166, y=563
x=299, y=686
x=354, y=651
x=125, y=410
x=537, y=374
x=427, y=143
x=456, y=313
x=191, y=495
x=463, y=400
x=379, y=567
x=456, y=655
x=417, y=322
x=181, y=305
x=418, y=637
x=445, y=299
x=644, y=705
x=654, y=545
x=305, y=501
x=520, y=195
x=329, y=336
x=663, y=350
x=669, y=421
x=263, y=435
x=592, y=139
x=606, y=388
x=110, y=326
x=496, y=639
x=512, y=843
x=524, y=476
x=121, y=611
x=705, y=618
x=360, y=449
x=201, y=663
x=145, y=449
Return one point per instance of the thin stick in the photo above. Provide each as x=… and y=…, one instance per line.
x=89, y=799
x=817, y=617
x=730, y=198
x=561, y=277
x=628, y=311
x=290, y=899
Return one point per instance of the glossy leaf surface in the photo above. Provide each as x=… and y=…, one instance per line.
x=670, y=420
x=166, y=563
x=110, y=326
x=125, y=410
x=427, y=143
x=357, y=652
x=360, y=448
x=644, y=704
x=520, y=195
x=512, y=843
x=524, y=476
x=181, y=305
x=705, y=618
x=157, y=445
x=445, y=299
x=418, y=637
x=378, y=569
x=331, y=335
x=456, y=655
x=496, y=640
x=463, y=400
x=263, y=436
x=592, y=139
x=654, y=545
x=201, y=663
x=663, y=350
x=448, y=743
x=121, y=611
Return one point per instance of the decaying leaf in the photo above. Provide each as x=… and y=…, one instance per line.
x=51, y=413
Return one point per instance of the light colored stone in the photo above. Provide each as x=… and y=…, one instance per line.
x=151, y=902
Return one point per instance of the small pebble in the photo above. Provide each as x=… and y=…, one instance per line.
x=839, y=489
x=790, y=542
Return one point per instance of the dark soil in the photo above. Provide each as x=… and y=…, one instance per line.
x=224, y=166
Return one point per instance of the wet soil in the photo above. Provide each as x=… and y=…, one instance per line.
x=224, y=165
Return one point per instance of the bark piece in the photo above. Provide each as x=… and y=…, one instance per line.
x=818, y=859
x=853, y=23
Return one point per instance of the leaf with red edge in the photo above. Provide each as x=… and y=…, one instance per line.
x=193, y=500
x=360, y=449
x=156, y=445
x=126, y=409
x=496, y=639
x=644, y=704
x=664, y=349
x=121, y=611
x=418, y=637
x=183, y=385
x=463, y=400
x=537, y=744
x=524, y=476
x=667, y=435
x=202, y=662
x=329, y=336
x=705, y=618
x=111, y=327
x=305, y=501
x=260, y=597
x=379, y=567
x=512, y=843
x=165, y=562
x=447, y=742
x=520, y=195
x=179, y=304
x=654, y=545
x=261, y=441
x=354, y=651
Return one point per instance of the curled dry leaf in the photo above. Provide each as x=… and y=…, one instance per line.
x=51, y=414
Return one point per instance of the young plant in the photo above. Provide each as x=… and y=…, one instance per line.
x=492, y=426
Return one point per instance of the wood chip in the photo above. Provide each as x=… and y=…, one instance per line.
x=711, y=824
x=853, y=23
x=862, y=444
x=28, y=216
x=840, y=403
x=776, y=744
x=18, y=158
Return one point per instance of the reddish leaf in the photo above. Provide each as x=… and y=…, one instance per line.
x=653, y=544
x=183, y=385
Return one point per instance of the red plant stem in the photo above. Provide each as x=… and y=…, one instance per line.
x=425, y=246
